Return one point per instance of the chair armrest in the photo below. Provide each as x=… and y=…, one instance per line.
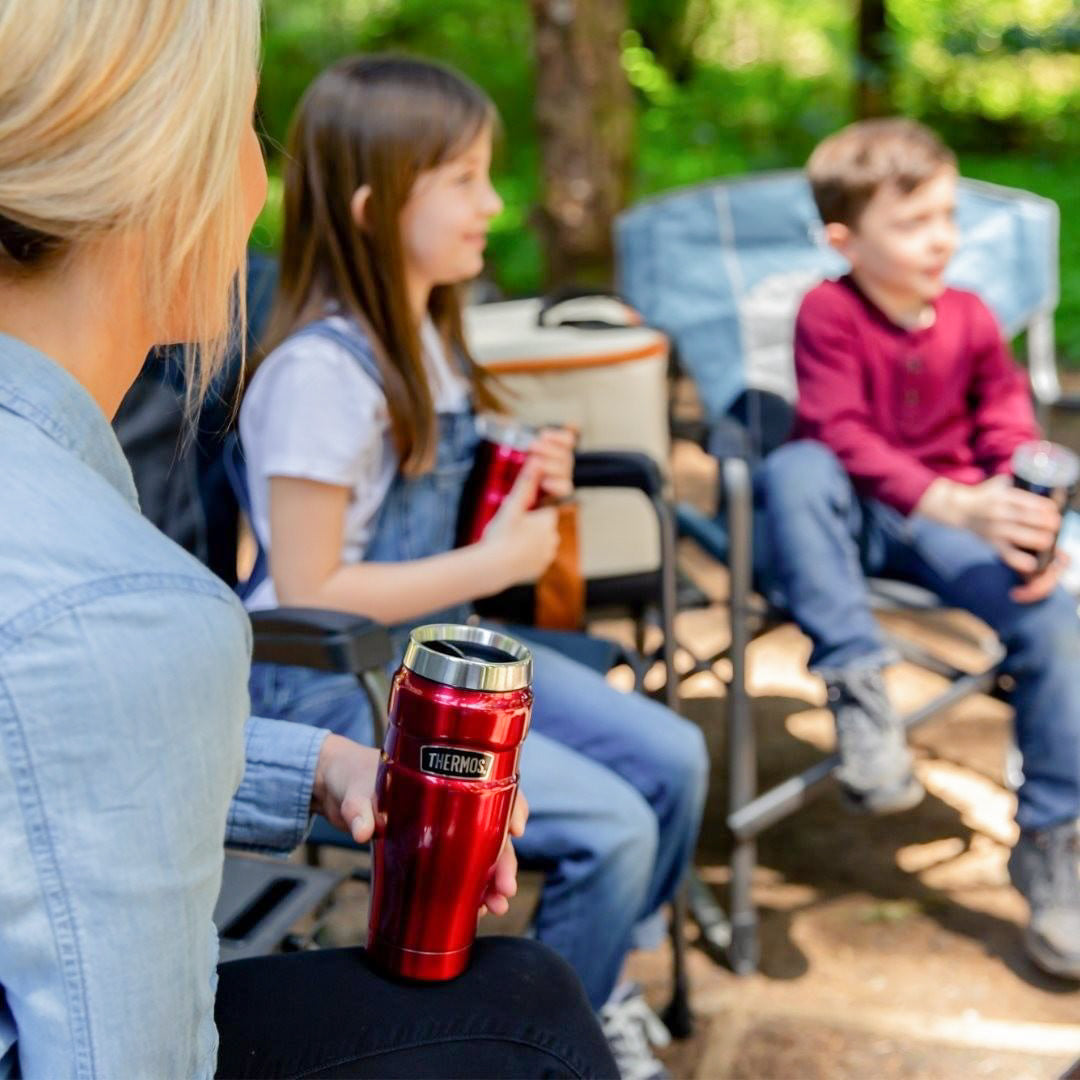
x=324, y=640
x=618, y=469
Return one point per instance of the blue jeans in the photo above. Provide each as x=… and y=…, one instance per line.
x=823, y=542
x=616, y=787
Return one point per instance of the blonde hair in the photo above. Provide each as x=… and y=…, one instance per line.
x=847, y=169
x=121, y=115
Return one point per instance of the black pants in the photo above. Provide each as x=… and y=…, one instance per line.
x=519, y=1011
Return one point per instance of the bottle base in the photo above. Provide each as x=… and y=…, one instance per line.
x=405, y=963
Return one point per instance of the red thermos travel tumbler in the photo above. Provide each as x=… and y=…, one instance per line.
x=501, y=453
x=459, y=711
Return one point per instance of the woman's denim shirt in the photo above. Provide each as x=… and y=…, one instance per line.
x=124, y=734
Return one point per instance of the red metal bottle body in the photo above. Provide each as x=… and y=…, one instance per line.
x=500, y=455
x=444, y=793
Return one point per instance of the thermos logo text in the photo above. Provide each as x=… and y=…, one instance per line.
x=456, y=763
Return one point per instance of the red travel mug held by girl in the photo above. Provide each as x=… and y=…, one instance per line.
x=459, y=711
x=500, y=455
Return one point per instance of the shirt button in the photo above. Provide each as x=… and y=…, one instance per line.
x=913, y=364
x=911, y=397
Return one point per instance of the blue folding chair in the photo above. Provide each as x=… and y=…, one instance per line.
x=721, y=268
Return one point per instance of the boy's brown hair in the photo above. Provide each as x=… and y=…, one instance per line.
x=848, y=168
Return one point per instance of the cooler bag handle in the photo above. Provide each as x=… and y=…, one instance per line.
x=566, y=293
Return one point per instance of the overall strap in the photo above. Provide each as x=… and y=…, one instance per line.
x=354, y=341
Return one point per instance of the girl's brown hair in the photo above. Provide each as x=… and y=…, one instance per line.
x=381, y=121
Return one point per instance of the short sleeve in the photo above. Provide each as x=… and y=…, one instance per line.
x=313, y=413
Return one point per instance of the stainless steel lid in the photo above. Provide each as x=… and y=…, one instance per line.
x=1047, y=464
x=469, y=657
x=505, y=431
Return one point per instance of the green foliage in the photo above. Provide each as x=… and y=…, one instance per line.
x=729, y=86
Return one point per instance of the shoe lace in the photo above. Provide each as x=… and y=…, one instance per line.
x=632, y=1029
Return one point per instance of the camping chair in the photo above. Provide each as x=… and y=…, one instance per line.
x=721, y=268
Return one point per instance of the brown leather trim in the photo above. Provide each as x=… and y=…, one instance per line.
x=547, y=364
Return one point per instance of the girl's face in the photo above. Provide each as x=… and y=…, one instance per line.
x=444, y=224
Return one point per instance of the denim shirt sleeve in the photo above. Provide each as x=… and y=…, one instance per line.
x=122, y=708
x=271, y=809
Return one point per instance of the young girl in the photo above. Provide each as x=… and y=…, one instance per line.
x=358, y=431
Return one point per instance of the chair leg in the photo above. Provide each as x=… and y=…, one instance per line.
x=742, y=748
x=678, y=1016
x=712, y=920
x=743, y=953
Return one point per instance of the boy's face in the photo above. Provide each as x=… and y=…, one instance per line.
x=901, y=243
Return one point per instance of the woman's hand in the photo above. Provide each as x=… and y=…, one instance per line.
x=521, y=542
x=344, y=794
x=344, y=786
x=503, y=883
x=553, y=449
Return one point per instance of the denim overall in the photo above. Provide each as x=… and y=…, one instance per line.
x=615, y=782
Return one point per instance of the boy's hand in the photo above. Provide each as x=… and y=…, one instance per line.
x=1015, y=522
x=553, y=450
x=1039, y=586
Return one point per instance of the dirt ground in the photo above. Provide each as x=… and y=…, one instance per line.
x=890, y=948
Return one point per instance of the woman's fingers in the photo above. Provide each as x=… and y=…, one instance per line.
x=503, y=883
x=519, y=815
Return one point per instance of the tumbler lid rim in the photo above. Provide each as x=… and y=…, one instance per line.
x=505, y=431
x=466, y=672
x=1049, y=463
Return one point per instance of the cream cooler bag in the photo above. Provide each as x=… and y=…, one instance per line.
x=610, y=383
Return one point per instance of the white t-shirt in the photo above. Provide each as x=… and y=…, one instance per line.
x=312, y=412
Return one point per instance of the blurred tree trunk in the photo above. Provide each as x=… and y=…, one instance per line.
x=873, y=61
x=585, y=121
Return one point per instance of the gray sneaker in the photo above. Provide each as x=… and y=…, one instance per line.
x=1045, y=867
x=875, y=762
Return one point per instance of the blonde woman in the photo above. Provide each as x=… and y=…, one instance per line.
x=129, y=178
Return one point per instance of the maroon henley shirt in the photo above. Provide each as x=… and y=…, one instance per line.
x=902, y=407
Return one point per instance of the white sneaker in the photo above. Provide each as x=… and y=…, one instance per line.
x=632, y=1029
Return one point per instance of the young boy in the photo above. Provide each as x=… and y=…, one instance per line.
x=909, y=410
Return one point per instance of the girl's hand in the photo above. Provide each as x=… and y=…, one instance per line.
x=503, y=883
x=553, y=449
x=345, y=786
x=521, y=542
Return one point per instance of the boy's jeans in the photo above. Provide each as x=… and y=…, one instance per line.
x=824, y=540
